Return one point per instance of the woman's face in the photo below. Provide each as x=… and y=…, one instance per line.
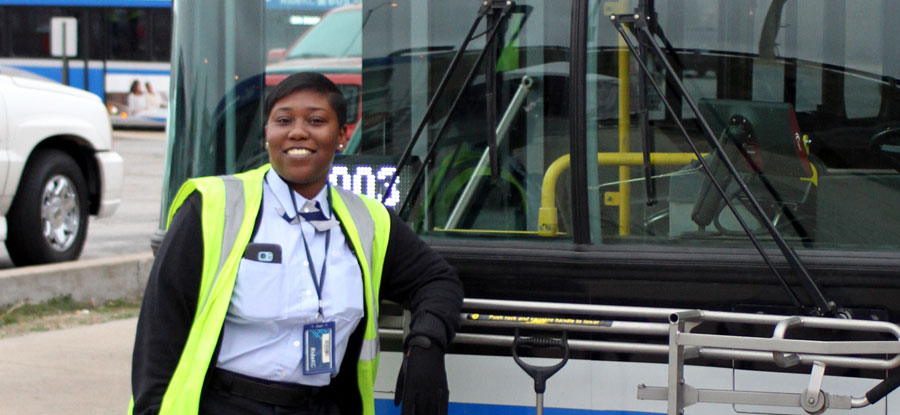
x=302, y=134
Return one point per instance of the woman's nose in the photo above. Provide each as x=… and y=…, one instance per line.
x=298, y=132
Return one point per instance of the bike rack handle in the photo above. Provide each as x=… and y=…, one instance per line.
x=540, y=374
x=882, y=389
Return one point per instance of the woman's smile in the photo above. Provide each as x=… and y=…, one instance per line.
x=298, y=151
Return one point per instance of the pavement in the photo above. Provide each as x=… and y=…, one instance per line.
x=78, y=371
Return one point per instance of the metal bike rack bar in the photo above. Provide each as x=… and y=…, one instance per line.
x=659, y=331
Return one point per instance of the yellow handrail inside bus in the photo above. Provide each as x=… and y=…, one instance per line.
x=548, y=219
x=624, y=136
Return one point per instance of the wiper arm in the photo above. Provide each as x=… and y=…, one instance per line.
x=822, y=305
x=404, y=158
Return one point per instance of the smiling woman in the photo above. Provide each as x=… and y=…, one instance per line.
x=306, y=124
x=289, y=345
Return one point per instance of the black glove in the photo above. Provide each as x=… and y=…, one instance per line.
x=422, y=382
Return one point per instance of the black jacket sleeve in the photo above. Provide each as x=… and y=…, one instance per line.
x=419, y=279
x=168, y=307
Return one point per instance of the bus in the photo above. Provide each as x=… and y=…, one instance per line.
x=686, y=206
x=125, y=46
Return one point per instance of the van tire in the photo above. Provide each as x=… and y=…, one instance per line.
x=48, y=219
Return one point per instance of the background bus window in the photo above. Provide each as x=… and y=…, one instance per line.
x=5, y=34
x=831, y=92
x=128, y=34
x=32, y=30
x=407, y=49
x=161, y=36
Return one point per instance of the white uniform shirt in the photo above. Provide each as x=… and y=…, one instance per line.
x=271, y=302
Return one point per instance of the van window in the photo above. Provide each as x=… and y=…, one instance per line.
x=336, y=36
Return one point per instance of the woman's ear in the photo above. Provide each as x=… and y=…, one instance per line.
x=343, y=138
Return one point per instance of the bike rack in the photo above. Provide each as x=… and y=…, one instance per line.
x=668, y=331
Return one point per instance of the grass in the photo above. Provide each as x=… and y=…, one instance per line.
x=62, y=312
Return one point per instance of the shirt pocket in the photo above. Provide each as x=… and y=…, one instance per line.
x=259, y=292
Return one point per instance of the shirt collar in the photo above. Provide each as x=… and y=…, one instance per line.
x=282, y=192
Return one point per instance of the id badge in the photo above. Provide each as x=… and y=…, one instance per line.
x=318, y=350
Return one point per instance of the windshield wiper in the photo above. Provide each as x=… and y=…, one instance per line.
x=489, y=6
x=639, y=23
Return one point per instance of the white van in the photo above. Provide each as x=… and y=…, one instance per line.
x=56, y=167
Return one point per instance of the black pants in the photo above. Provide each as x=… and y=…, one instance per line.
x=217, y=399
x=217, y=402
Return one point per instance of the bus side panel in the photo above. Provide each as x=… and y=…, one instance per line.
x=482, y=384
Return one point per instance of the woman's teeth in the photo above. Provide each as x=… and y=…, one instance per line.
x=298, y=151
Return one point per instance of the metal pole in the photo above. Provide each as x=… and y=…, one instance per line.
x=502, y=130
x=65, y=57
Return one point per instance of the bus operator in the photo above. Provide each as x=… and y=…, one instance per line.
x=264, y=294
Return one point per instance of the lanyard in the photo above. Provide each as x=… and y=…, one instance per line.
x=319, y=281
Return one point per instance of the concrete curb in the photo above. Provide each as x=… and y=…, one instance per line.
x=94, y=280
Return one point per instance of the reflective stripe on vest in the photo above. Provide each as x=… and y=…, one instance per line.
x=367, y=224
x=233, y=213
x=230, y=207
x=365, y=228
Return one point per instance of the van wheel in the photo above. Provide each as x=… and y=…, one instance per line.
x=49, y=215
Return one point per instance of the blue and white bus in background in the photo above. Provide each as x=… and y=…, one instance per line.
x=120, y=43
x=123, y=47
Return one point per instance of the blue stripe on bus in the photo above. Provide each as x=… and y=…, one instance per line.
x=308, y=4
x=90, y=3
x=386, y=407
x=135, y=71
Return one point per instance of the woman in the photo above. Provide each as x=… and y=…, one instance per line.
x=154, y=100
x=275, y=311
x=137, y=100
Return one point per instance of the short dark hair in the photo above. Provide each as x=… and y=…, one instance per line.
x=308, y=81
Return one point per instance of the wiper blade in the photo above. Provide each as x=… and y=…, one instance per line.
x=822, y=305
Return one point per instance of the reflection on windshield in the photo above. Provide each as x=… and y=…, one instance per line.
x=336, y=36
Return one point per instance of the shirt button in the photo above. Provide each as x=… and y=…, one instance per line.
x=308, y=292
x=305, y=263
x=296, y=343
x=283, y=373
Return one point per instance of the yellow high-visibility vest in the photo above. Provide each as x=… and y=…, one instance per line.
x=229, y=210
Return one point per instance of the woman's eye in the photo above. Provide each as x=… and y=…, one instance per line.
x=282, y=120
x=317, y=121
